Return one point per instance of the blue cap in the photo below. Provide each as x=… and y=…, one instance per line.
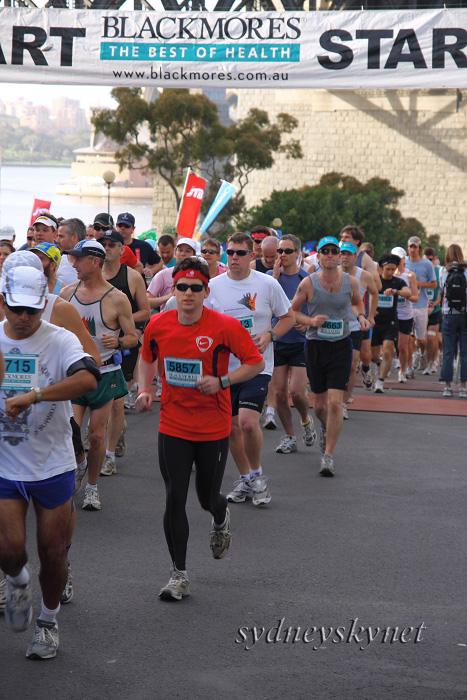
x=348, y=246
x=87, y=247
x=126, y=218
x=328, y=240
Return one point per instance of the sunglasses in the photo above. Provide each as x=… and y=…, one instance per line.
x=21, y=309
x=258, y=239
x=333, y=251
x=108, y=244
x=124, y=226
x=207, y=251
x=30, y=238
x=286, y=251
x=98, y=227
x=240, y=253
x=182, y=287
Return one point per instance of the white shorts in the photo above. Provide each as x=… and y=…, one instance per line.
x=420, y=322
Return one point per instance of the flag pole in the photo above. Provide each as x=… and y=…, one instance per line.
x=188, y=170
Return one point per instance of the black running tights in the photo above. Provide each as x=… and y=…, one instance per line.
x=176, y=458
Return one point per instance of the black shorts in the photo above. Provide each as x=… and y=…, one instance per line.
x=129, y=363
x=357, y=340
x=366, y=334
x=251, y=394
x=434, y=319
x=328, y=364
x=406, y=326
x=389, y=330
x=76, y=437
x=292, y=354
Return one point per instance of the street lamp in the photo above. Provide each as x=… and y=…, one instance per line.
x=109, y=177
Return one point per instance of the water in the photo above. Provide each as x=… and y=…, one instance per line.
x=20, y=185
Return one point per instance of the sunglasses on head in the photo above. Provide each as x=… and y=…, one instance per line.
x=287, y=251
x=240, y=253
x=182, y=287
x=333, y=251
x=21, y=309
x=208, y=251
x=98, y=227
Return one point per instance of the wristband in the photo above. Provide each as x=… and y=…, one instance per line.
x=358, y=316
x=143, y=392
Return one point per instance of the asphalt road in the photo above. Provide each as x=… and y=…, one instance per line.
x=381, y=545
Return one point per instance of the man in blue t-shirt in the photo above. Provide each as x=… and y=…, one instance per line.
x=426, y=279
x=289, y=354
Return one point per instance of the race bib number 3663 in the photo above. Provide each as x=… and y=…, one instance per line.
x=182, y=371
x=332, y=329
x=21, y=372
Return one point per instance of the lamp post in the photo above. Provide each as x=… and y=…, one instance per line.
x=109, y=177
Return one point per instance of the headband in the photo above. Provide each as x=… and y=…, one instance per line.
x=191, y=274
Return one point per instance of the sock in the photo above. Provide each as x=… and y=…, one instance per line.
x=270, y=411
x=256, y=472
x=306, y=422
x=365, y=368
x=22, y=579
x=91, y=486
x=48, y=615
x=82, y=465
x=110, y=454
x=245, y=477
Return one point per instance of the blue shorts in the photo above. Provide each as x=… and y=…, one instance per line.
x=49, y=493
x=250, y=394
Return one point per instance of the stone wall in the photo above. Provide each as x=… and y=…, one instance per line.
x=416, y=139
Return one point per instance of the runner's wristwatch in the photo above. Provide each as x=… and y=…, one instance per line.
x=273, y=336
x=224, y=381
x=38, y=393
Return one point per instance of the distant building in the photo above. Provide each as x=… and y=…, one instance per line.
x=68, y=116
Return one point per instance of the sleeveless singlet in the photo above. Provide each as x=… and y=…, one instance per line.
x=354, y=324
x=120, y=281
x=404, y=306
x=335, y=305
x=91, y=315
x=51, y=299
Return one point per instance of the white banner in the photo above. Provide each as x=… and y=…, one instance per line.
x=329, y=50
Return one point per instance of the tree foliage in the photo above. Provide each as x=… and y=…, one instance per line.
x=20, y=144
x=181, y=129
x=336, y=201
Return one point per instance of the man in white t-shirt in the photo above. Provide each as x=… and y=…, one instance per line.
x=45, y=367
x=253, y=298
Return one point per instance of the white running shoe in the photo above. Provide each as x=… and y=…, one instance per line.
x=109, y=467
x=447, y=392
x=327, y=465
x=241, y=492
x=18, y=607
x=44, y=643
x=379, y=386
x=345, y=412
x=309, y=433
x=287, y=444
x=261, y=495
x=91, y=499
x=221, y=538
x=269, y=422
x=402, y=377
x=177, y=588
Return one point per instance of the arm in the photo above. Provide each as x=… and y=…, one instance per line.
x=146, y=373
x=151, y=270
x=303, y=294
x=284, y=325
x=357, y=305
x=138, y=289
x=138, y=267
x=413, y=287
x=369, y=281
x=156, y=302
x=66, y=316
x=68, y=388
x=211, y=385
x=370, y=266
x=124, y=318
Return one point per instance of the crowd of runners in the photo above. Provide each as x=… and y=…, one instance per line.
x=96, y=323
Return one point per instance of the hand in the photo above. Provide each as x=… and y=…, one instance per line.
x=19, y=403
x=390, y=292
x=262, y=341
x=371, y=321
x=109, y=341
x=319, y=320
x=147, y=272
x=144, y=402
x=300, y=327
x=276, y=270
x=208, y=385
x=365, y=324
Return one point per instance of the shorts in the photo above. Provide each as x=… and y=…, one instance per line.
x=328, y=364
x=76, y=437
x=292, y=354
x=251, y=394
x=366, y=334
x=49, y=493
x=112, y=386
x=406, y=326
x=389, y=330
x=420, y=321
x=129, y=363
x=434, y=319
x=357, y=340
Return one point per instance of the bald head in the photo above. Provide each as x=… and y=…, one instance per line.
x=269, y=245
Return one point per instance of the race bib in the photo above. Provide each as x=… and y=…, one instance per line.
x=401, y=302
x=21, y=372
x=248, y=322
x=385, y=302
x=332, y=329
x=430, y=294
x=182, y=372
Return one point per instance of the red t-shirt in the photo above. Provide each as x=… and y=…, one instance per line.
x=128, y=257
x=186, y=351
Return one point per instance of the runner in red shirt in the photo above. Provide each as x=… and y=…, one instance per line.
x=194, y=344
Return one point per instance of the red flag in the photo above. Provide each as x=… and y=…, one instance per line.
x=40, y=207
x=190, y=205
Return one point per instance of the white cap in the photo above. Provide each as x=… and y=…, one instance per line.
x=20, y=258
x=7, y=233
x=400, y=252
x=188, y=241
x=25, y=286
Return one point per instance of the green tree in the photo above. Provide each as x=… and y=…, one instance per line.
x=180, y=129
x=336, y=201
